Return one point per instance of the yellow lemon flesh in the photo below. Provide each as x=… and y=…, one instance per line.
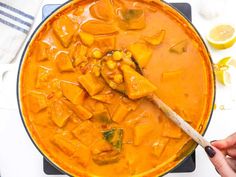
x=222, y=36
x=222, y=70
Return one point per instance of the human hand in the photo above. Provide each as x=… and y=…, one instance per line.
x=223, y=156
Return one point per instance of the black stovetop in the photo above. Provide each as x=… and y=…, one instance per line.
x=189, y=163
x=187, y=166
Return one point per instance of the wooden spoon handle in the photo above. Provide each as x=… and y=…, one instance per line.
x=180, y=122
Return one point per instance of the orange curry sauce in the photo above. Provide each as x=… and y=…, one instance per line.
x=88, y=129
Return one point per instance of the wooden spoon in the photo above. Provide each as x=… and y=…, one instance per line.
x=178, y=120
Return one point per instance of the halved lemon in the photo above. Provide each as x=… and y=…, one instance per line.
x=222, y=36
x=224, y=68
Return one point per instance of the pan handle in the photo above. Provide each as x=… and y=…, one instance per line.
x=4, y=68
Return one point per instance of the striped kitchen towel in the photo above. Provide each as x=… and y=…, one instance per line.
x=16, y=19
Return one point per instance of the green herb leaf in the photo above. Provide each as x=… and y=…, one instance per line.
x=115, y=137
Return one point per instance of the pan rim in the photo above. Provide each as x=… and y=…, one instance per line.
x=41, y=25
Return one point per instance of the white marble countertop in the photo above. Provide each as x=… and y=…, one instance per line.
x=19, y=157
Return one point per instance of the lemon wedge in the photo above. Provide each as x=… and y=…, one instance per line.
x=224, y=69
x=222, y=36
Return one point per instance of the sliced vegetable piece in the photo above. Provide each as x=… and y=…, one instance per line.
x=156, y=39
x=64, y=29
x=86, y=38
x=171, y=130
x=101, y=10
x=127, y=59
x=37, y=101
x=141, y=52
x=131, y=19
x=99, y=106
x=90, y=104
x=115, y=137
x=42, y=50
x=105, y=98
x=107, y=157
x=159, y=146
x=43, y=77
x=101, y=145
x=72, y=92
x=121, y=111
x=83, y=113
x=91, y=83
x=60, y=113
x=180, y=47
x=64, y=145
x=131, y=104
x=136, y=85
x=80, y=54
x=71, y=106
x=82, y=155
x=141, y=131
x=80, y=111
x=98, y=27
x=102, y=116
x=103, y=153
x=63, y=62
x=96, y=70
x=85, y=132
x=105, y=43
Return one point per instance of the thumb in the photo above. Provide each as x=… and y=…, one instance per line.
x=219, y=161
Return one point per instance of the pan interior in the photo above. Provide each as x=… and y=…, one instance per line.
x=83, y=126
